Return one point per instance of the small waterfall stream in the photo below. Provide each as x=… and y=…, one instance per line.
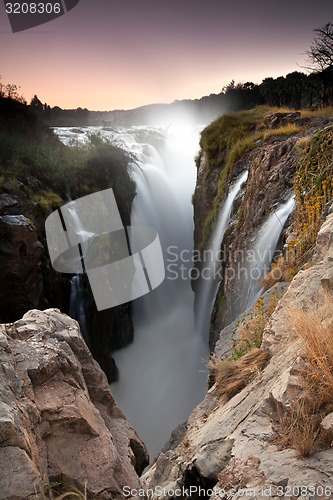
x=76, y=303
x=210, y=280
x=262, y=252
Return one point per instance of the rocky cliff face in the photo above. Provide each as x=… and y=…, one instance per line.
x=60, y=427
x=271, y=166
x=28, y=280
x=232, y=444
x=21, y=277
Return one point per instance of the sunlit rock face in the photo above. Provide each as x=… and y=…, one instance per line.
x=59, y=424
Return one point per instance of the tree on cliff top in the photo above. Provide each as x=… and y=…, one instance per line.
x=320, y=54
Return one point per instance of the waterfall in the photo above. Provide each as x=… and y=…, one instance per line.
x=76, y=296
x=161, y=373
x=76, y=303
x=210, y=278
x=262, y=253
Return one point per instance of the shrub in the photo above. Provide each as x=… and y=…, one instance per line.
x=247, y=334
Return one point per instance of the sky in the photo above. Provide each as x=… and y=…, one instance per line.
x=121, y=54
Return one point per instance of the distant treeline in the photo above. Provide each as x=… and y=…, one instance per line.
x=296, y=90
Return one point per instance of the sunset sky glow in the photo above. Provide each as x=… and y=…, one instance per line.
x=120, y=54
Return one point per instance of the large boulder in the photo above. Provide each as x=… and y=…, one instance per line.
x=59, y=424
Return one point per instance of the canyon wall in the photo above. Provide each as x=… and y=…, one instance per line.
x=271, y=166
x=232, y=440
x=28, y=280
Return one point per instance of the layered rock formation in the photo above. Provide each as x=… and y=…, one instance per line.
x=60, y=427
x=231, y=445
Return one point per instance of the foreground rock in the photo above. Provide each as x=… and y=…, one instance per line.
x=230, y=445
x=59, y=424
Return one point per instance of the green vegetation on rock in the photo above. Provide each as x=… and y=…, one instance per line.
x=313, y=189
x=33, y=160
x=225, y=140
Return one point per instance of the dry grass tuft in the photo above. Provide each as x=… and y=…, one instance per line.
x=232, y=376
x=280, y=271
x=303, y=142
x=301, y=429
x=300, y=424
x=315, y=330
x=72, y=495
x=65, y=490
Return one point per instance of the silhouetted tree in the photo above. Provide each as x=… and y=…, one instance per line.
x=320, y=54
x=295, y=89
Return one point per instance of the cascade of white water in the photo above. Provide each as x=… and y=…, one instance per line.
x=162, y=374
x=76, y=298
x=262, y=254
x=211, y=265
x=161, y=377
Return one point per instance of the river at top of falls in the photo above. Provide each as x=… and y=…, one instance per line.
x=162, y=374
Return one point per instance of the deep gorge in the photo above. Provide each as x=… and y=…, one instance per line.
x=238, y=203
